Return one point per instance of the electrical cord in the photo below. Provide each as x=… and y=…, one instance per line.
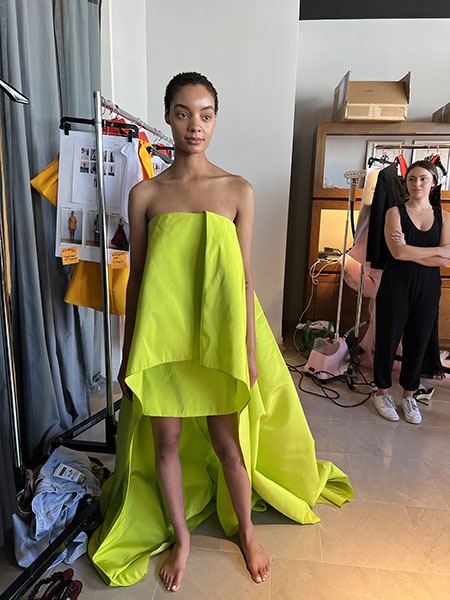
x=330, y=393
x=315, y=274
x=295, y=368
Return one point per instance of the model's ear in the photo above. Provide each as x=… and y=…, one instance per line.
x=166, y=117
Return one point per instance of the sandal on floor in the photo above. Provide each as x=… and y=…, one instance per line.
x=74, y=590
x=57, y=581
x=70, y=590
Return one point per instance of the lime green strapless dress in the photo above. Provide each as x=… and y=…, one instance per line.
x=188, y=358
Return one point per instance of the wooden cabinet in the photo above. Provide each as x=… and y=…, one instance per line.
x=340, y=147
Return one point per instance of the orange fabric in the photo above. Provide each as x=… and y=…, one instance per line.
x=85, y=287
x=146, y=160
x=46, y=182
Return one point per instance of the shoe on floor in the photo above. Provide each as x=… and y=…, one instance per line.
x=410, y=410
x=384, y=404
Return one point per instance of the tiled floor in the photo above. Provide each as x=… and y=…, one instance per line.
x=391, y=543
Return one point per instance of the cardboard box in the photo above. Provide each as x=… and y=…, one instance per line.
x=442, y=115
x=371, y=100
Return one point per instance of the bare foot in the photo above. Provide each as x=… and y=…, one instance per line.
x=256, y=557
x=172, y=570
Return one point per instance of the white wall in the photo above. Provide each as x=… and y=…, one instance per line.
x=124, y=54
x=249, y=51
x=372, y=50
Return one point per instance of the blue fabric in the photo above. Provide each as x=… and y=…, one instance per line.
x=54, y=506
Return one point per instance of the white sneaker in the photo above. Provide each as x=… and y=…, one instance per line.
x=384, y=404
x=410, y=410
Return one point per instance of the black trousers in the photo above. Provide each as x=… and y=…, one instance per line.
x=406, y=308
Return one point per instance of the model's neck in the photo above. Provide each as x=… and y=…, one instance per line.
x=190, y=166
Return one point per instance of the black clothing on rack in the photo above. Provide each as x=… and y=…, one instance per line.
x=390, y=190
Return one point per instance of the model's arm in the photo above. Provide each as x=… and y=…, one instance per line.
x=433, y=256
x=137, y=204
x=444, y=244
x=244, y=225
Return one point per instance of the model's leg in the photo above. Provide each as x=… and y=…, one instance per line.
x=388, y=331
x=416, y=337
x=166, y=435
x=391, y=316
x=223, y=430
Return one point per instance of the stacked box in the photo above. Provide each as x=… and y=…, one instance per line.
x=371, y=100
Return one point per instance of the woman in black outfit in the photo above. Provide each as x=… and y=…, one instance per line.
x=418, y=237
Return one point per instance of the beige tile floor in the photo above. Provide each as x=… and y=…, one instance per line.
x=391, y=543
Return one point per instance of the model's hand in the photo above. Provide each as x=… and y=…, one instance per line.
x=398, y=237
x=123, y=386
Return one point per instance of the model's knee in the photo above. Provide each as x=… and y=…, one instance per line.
x=230, y=457
x=167, y=450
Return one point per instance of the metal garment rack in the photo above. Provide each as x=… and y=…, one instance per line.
x=87, y=516
x=114, y=108
x=67, y=438
x=107, y=414
x=410, y=146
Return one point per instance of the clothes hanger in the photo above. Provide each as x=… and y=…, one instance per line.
x=13, y=93
x=383, y=159
x=127, y=129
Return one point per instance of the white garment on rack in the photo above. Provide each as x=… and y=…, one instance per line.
x=132, y=174
x=77, y=188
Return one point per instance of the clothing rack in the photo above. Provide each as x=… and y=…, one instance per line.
x=136, y=120
x=155, y=148
x=410, y=146
x=87, y=516
x=384, y=159
x=109, y=445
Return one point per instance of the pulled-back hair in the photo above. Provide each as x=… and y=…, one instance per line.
x=189, y=78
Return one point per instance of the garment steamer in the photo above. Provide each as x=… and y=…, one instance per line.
x=330, y=357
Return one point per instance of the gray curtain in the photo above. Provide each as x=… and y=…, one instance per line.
x=50, y=50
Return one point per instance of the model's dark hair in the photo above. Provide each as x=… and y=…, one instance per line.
x=425, y=164
x=189, y=78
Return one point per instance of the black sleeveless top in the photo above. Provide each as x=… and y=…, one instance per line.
x=414, y=236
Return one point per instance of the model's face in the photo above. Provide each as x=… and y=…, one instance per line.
x=192, y=118
x=419, y=183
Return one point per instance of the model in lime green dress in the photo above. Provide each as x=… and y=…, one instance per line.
x=189, y=359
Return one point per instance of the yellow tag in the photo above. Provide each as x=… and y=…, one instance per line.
x=118, y=260
x=69, y=255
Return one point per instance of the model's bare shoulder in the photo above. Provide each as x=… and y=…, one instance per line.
x=237, y=184
x=393, y=214
x=242, y=190
x=143, y=188
x=144, y=193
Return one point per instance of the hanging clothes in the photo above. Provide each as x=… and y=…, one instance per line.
x=85, y=287
x=390, y=191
